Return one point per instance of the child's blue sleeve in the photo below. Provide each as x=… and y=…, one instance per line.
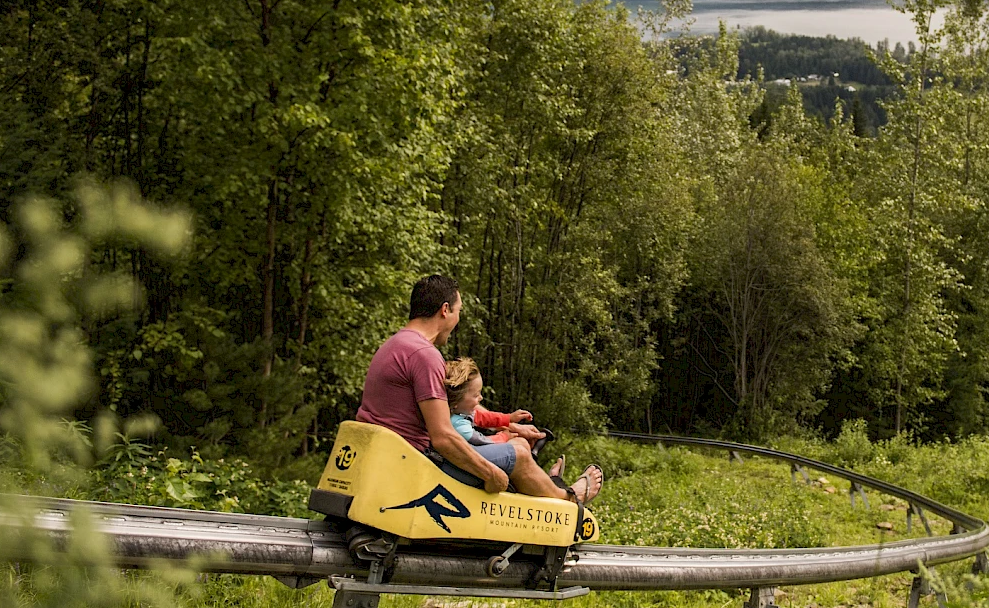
x=463, y=426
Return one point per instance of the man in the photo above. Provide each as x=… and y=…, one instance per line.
x=404, y=391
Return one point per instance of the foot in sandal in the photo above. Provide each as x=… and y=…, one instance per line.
x=588, y=485
x=558, y=467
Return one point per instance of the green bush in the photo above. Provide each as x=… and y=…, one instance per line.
x=622, y=458
x=852, y=446
x=134, y=473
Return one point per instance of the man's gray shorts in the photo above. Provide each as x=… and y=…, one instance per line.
x=502, y=455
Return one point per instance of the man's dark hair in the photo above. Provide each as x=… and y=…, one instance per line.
x=429, y=294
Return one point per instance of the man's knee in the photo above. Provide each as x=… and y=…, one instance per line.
x=522, y=452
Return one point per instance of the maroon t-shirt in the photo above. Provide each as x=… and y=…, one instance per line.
x=406, y=369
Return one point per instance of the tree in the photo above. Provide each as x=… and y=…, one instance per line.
x=560, y=180
x=912, y=331
x=776, y=303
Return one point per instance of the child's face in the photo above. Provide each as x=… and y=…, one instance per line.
x=472, y=397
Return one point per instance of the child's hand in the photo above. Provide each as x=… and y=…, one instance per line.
x=520, y=416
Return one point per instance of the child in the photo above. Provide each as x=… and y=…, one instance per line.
x=463, y=391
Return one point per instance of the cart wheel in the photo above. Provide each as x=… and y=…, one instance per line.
x=357, y=538
x=497, y=565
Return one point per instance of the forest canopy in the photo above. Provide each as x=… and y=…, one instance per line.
x=641, y=242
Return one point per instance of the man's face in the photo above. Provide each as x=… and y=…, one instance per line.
x=450, y=320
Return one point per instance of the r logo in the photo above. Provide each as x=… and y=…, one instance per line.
x=345, y=458
x=436, y=509
x=587, y=529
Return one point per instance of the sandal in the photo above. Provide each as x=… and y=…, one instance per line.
x=586, y=476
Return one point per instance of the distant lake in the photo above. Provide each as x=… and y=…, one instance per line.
x=870, y=20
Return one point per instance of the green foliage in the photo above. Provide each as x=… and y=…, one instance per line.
x=610, y=206
x=562, y=207
x=790, y=56
x=134, y=473
x=622, y=458
x=47, y=369
x=668, y=511
x=852, y=447
x=652, y=498
x=46, y=365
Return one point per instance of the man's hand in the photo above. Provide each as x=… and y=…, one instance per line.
x=526, y=431
x=520, y=416
x=497, y=482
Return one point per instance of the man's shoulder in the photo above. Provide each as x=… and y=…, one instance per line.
x=411, y=343
x=408, y=339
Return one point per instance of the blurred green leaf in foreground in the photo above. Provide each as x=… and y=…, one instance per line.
x=47, y=290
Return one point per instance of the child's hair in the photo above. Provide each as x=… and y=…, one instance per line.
x=458, y=374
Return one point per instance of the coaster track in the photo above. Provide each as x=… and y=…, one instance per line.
x=300, y=551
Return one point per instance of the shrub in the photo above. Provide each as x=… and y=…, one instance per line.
x=132, y=472
x=621, y=458
x=852, y=446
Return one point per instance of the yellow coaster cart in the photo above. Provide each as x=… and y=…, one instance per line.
x=391, y=495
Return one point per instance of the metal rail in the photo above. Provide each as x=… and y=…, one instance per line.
x=299, y=550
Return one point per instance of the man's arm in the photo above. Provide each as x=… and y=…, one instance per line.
x=453, y=447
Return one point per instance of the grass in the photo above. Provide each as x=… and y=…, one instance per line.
x=684, y=498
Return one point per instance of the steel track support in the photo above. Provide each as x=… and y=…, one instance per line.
x=762, y=597
x=353, y=592
x=856, y=488
x=922, y=587
x=981, y=565
x=734, y=456
x=796, y=468
x=298, y=582
x=353, y=599
x=919, y=512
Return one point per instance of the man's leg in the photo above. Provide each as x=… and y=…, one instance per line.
x=529, y=479
x=502, y=455
x=524, y=472
x=557, y=466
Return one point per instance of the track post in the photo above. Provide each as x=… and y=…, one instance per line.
x=856, y=487
x=734, y=456
x=922, y=587
x=796, y=468
x=981, y=565
x=915, y=509
x=352, y=599
x=762, y=597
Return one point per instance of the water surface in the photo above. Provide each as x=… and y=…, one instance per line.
x=868, y=20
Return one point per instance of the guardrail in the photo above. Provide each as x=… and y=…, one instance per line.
x=301, y=551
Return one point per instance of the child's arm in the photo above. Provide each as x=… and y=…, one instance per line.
x=490, y=420
x=520, y=416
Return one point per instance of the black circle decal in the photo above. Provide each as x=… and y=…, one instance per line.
x=345, y=458
x=587, y=528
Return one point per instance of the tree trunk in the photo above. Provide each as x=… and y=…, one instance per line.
x=268, y=316
x=914, y=172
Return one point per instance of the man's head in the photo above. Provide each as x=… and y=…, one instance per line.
x=437, y=297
